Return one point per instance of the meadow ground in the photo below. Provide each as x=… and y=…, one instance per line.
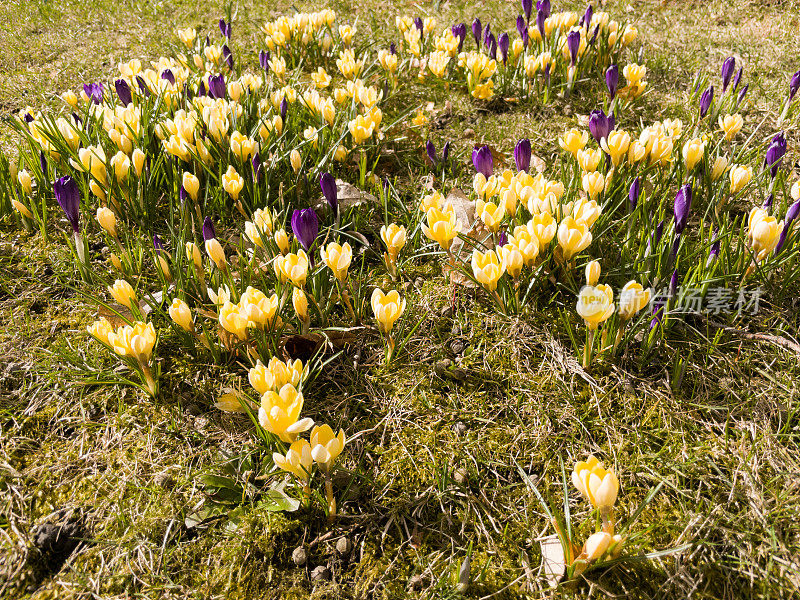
x=434, y=474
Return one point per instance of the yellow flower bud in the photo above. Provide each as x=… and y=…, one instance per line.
x=216, y=253
x=487, y=268
x=107, y=220
x=730, y=125
x=138, y=161
x=300, y=303
x=596, y=545
x=740, y=177
x=719, y=167
x=21, y=209
x=394, y=237
x=116, y=262
x=25, y=181
x=598, y=485
x=573, y=237
x=296, y=160
x=180, y=313
x=592, y=273
x=632, y=299
x=123, y=293
x=693, y=151
x=191, y=184
x=337, y=258
x=282, y=241
x=387, y=308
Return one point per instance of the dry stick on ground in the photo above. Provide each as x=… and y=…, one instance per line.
x=759, y=337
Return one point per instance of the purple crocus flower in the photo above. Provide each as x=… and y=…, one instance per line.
x=227, y=55
x=527, y=8
x=284, y=108
x=522, y=155
x=477, y=32
x=263, y=59
x=742, y=94
x=676, y=242
x=502, y=44
x=167, y=74
x=633, y=193
x=392, y=48
x=142, y=86
x=491, y=46
x=446, y=152
x=486, y=33
x=713, y=252
x=460, y=31
x=183, y=195
x=573, y=43
x=768, y=202
x=521, y=27
x=328, y=184
x=543, y=6
x=158, y=245
x=209, y=233
x=593, y=39
x=737, y=78
x=68, y=197
x=659, y=233
x=547, y=73
x=728, y=68
x=43, y=162
x=705, y=101
x=225, y=28
x=673, y=284
x=201, y=89
x=794, y=85
x=791, y=215
x=94, y=91
x=587, y=16
x=600, y=124
x=502, y=239
x=418, y=24
x=683, y=203
x=612, y=80
x=482, y=160
x=775, y=153
x=430, y=149
x=216, y=86
x=658, y=310
x=123, y=91
x=256, y=162
x=305, y=226
x=540, y=19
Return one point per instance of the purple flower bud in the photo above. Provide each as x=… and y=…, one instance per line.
x=705, y=101
x=673, y=284
x=446, y=152
x=573, y=43
x=477, y=32
x=594, y=35
x=612, y=80
x=263, y=59
x=123, y=91
x=460, y=31
x=600, y=124
x=216, y=86
x=201, y=89
x=502, y=239
x=482, y=160
x=430, y=149
x=491, y=46
x=633, y=193
x=305, y=226
x=768, y=202
x=547, y=73
x=587, y=16
x=676, y=242
x=158, y=244
x=540, y=19
x=521, y=25
x=392, y=48
x=775, y=153
x=183, y=195
x=737, y=78
x=209, y=233
x=167, y=74
x=659, y=233
x=658, y=309
x=143, y=86
x=543, y=6
x=77, y=119
x=227, y=55
x=522, y=154
x=792, y=213
x=503, y=43
x=328, y=184
x=486, y=33
x=683, y=203
x=43, y=162
x=713, y=251
x=68, y=197
x=256, y=166
x=696, y=82
x=527, y=8
x=94, y=91
x=284, y=109
x=225, y=28
x=742, y=94
x=525, y=38
x=727, y=72
x=794, y=85
x=418, y=24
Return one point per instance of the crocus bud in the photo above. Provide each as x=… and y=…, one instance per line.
x=544, y=6
x=767, y=206
x=540, y=19
x=25, y=181
x=191, y=184
x=612, y=80
x=300, y=303
x=123, y=91
x=107, y=220
x=69, y=198
x=592, y=273
x=775, y=153
x=600, y=124
x=705, y=101
x=742, y=94
x=596, y=545
x=522, y=155
x=673, y=284
x=138, y=161
x=180, y=313
x=445, y=152
x=502, y=44
x=683, y=203
x=296, y=160
x=328, y=184
x=482, y=160
x=116, y=262
x=216, y=253
x=282, y=241
x=305, y=226
x=284, y=108
x=794, y=85
x=633, y=193
x=521, y=28
x=123, y=293
x=193, y=254
x=713, y=252
x=216, y=86
x=573, y=44
x=227, y=55
x=168, y=75
x=527, y=8
x=587, y=17
x=225, y=28
x=737, y=78
x=208, y=229
x=727, y=72
x=430, y=151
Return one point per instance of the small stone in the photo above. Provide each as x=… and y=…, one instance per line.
x=344, y=546
x=415, y=583
x=192, y=409
x=321, y=573
x=164, y=480
x=299, y=556
x=460, y=476
x=457, y=346
x=460, y=428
